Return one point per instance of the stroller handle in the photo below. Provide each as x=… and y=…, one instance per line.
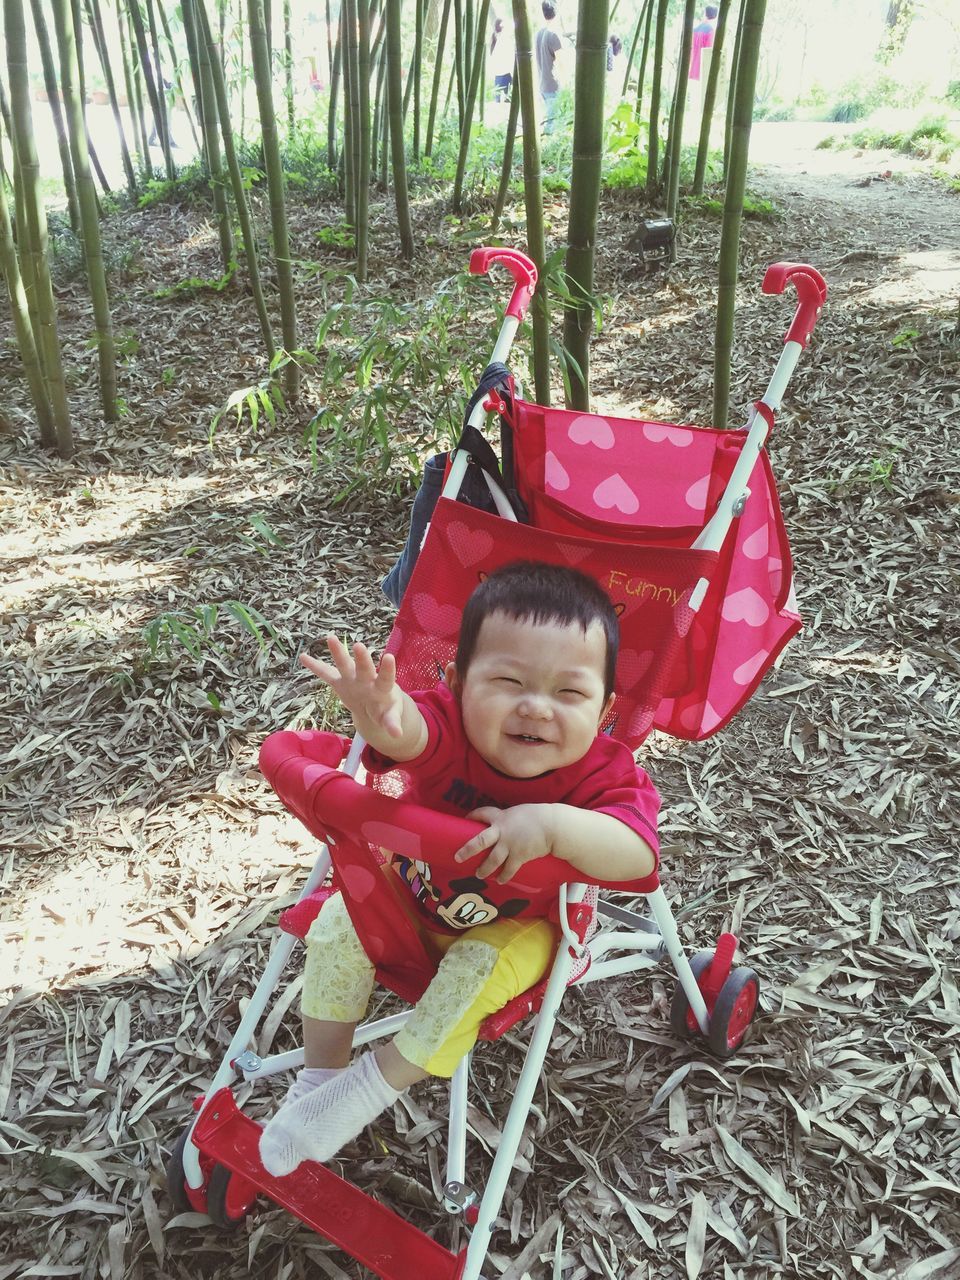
x=301, y=766
x=524, y=274
x=811, y=290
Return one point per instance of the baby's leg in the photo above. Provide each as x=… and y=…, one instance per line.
x=482, y=970
x=337, y=981
x=479, y=974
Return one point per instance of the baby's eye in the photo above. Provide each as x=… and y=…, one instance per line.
x=508, y=680
x=576, y=693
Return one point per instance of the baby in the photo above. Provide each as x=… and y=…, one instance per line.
x=510, y=739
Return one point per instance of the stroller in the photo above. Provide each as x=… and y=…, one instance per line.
x=682, y=527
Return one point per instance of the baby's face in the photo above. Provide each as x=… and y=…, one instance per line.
x=533, y=696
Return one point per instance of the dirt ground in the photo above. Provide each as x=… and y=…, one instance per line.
x=146, y=860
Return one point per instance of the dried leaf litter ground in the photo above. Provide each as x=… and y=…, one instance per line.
x=146, y=861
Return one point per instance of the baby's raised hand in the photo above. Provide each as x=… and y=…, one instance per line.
x=371, y=696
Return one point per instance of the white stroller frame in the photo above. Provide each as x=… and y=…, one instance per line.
x=644, y=940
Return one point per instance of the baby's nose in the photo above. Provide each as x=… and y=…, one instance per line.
x=535, y=707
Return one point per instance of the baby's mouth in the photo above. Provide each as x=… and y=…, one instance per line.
x=527, y=739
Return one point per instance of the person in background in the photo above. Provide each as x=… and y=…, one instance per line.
x=546, y=48
x=703, y=34
x=614, y=45
x=502, y=57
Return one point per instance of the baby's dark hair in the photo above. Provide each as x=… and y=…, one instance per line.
x=549, y=10
x=533, y=591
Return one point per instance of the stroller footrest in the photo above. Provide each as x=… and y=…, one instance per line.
x=363, y=1227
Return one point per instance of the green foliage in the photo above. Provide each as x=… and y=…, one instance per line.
x=755, y=207
x=930, y=138
x=858, y=97
x=396, y=372
x=194, y=628
x=847, y=109
x=66, y=251
x=626, y=147
x=265, y=396
x=775, y=111
x=340, y=237
x=303, y=157
x=197, y=285
x=905, y=338
x=881, y=472
x=952, y=93
x=191, y=186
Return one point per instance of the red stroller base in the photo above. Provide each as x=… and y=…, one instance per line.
x=363, y=1227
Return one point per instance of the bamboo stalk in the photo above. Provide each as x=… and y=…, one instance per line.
x=746, y=73
x=675, y=140
x=204, y=37
x=471, y=99
x=584, y=194
x=23, y=327
x=644, y=9
x=417, y=64
x=641, y=74
x=709, y=98
x=334, y=91
x=91, y=149
x=163, y=133
x=134, y=98
x=288, y=69
x=506, y=167
x=533, y=201
x=350, y=108
x=175, y=71
x=363, y=130
x=379, y=109
x=732, y=87
x=437, y=70
x=146, y=71
x=60, y=128
x=99, y=39
x=211, y=144
x=89, y=214
x=33, y=232
x=653, y=146
x=458, y=59
x=275, y=186
x=395, y=98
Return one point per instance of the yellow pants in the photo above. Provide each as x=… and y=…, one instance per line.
x=478, y=973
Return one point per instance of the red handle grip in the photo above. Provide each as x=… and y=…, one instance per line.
x=811, y=290
x=524, y=274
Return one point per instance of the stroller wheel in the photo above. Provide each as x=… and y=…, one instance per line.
x=177, y=1191
x=230, y=1198
x=682, y=1020
x=733, y=1012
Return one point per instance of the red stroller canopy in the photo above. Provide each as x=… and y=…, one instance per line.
x=656, y=485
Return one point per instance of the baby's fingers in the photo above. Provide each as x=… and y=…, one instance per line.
x=366, y=670
x=485, y=840
x=342, y=660
x=387, y=675
x=328, y=674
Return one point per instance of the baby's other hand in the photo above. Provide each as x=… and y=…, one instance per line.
x=368, y=694
x=514, y=836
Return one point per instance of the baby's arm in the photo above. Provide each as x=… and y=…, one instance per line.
x=597, y=844
x=385, y=717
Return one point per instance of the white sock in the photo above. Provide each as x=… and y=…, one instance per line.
x=308, y=1079
x=321, y=1122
